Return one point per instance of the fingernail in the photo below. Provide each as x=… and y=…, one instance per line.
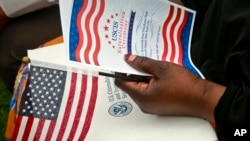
x=130, y=57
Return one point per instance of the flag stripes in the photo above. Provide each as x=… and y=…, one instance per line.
x=75, y=112
x=89, y=40
x=171, y=31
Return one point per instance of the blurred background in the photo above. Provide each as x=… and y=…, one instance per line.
x=5, y=97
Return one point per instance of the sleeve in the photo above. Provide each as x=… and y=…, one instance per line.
x=200, y=6
x=15, y=8
x=222, y=53
x=232, y=112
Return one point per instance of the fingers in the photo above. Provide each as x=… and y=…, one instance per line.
x=131, y=87
x=138, y=89
x=145, y=64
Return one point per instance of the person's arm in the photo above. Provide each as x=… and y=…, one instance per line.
x=15, y=8
x=172, y=90
x=233, y=111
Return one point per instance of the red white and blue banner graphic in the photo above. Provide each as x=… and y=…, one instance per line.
x=102, y=31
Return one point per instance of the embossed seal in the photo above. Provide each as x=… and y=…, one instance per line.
x=120, y=109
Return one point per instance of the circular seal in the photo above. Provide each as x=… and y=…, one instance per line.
x=120, y=109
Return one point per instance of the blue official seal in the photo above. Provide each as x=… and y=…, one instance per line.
x=120, y=109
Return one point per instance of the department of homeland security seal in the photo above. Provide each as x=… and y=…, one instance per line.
x=120, y=109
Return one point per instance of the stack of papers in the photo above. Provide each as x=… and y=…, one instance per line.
x=97, y=33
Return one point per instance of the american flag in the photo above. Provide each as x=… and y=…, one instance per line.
x=56, y=105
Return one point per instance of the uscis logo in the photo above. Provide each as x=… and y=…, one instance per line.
x=120, y=109
x=115, y=31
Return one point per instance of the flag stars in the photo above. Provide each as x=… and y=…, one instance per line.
x=39, y=78
x=44, y=92
x=33, y=91
x=54, y=94
x=42, y=83
x=51, y=89
x=44, y=87
x=55, y=72
x=35, y=82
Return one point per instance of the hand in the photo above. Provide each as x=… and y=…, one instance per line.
x=171, y=90
x=3, y=18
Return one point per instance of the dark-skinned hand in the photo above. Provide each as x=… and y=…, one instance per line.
x=171, y=89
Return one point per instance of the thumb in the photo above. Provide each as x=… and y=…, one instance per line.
x=144, y=64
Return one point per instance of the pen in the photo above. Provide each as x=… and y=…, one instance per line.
x=119, y=76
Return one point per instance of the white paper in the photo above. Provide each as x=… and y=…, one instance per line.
x=133, y=125
x=101, y=32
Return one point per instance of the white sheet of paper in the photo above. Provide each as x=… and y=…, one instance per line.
x=158, y=29
x=135, y=126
